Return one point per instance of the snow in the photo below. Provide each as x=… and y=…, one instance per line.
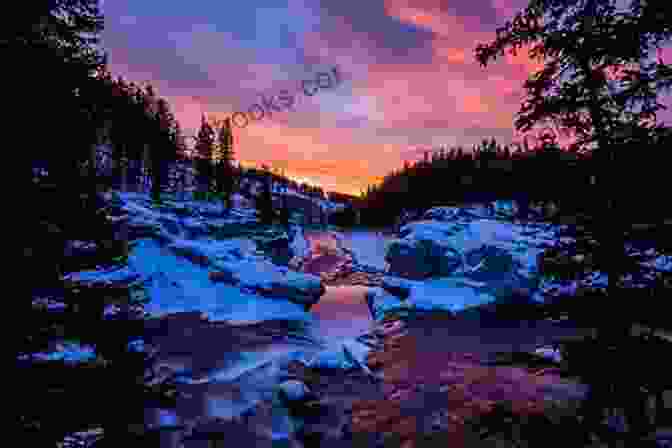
x=177, y=285
x=549, y=353
x=299, y=245
x=214, y=250
x=524, y=243
x=124, y=275
x=69, y=352
x=262, y=275
x=446, y=294
x=294, y=390
x=368, y=248
x=344, y=354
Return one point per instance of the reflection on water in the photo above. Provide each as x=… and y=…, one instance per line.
x=341, y=313
x=218, y=380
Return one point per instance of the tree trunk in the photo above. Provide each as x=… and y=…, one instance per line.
x=609, y=231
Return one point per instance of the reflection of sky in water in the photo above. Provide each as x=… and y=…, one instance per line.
x=342, y=312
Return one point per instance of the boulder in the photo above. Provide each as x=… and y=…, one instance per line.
x=293, y=391
x=380, y=302
x=505, y=209
x=499, y=271
x=269, y=280
x=396, y=286
x=171, y=225
x=419, y=259
x=192, y=252
x=442, y=213
x=123, y=277
x=194, y=228
x=143, y=227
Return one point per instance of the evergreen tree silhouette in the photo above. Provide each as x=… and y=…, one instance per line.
x=204, y=151
x=225, y=170
x=264, y=200
x=589, y=37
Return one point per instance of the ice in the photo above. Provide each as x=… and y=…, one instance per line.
x=177, y=285
x=344, y=354
x=446, y=294
x=368, y=247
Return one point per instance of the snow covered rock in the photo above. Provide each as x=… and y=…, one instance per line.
x=205, y=253
x=445, y=294
x=550, y=353
x=381, y=302
x=505, y=209
x=441, y=213
x=499, y=270
x=422, y=256
x=396, y=286
x=171, y=225
x=293, y=390
x=196, y=253
x=349, y=354
x=465, y=242
x=194, y=228
x=269, y=280
x=125, y=276
x=143, y=227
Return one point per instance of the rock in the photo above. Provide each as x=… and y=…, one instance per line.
x=380, y=302
x=192, y=252
x=269, y=280
x=171, y=225
x=396, y=286
x=350, y=355
x=142, y=227
x=421, y=259
x=549, y=353
x=294, y=390
x=223, y=276
x=442, y=213
x=499, y=271
x=195, y=228
x=122, y=277
x=505, y=209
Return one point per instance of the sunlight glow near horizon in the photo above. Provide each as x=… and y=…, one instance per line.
x=422, y=88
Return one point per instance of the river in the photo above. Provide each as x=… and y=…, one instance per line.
x=227, y=364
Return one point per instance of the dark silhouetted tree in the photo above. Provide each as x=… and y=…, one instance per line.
x=205, y=144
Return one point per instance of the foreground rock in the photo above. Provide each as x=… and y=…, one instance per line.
x=435, y=381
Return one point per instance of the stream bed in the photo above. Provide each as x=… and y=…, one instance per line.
x=230, y=362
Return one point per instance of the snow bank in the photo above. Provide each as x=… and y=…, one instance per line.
x=175, y=285
x=445, y=294
x=368, y=248
x=269, y=280
x=69, y=352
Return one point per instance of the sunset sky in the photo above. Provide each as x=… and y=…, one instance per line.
x=409, y=77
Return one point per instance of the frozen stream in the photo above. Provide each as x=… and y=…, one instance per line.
x=221, y=372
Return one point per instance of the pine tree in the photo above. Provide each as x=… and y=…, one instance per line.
x=264, y=200
x=583, y=39
x=204, y=148
x=164, y=150
x=226, y=178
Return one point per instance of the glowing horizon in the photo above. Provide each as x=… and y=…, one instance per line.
x=411, y=81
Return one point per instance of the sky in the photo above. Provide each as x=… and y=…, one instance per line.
x=409, y=80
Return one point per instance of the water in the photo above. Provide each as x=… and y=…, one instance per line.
x=222, y=377
x=341, y=313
